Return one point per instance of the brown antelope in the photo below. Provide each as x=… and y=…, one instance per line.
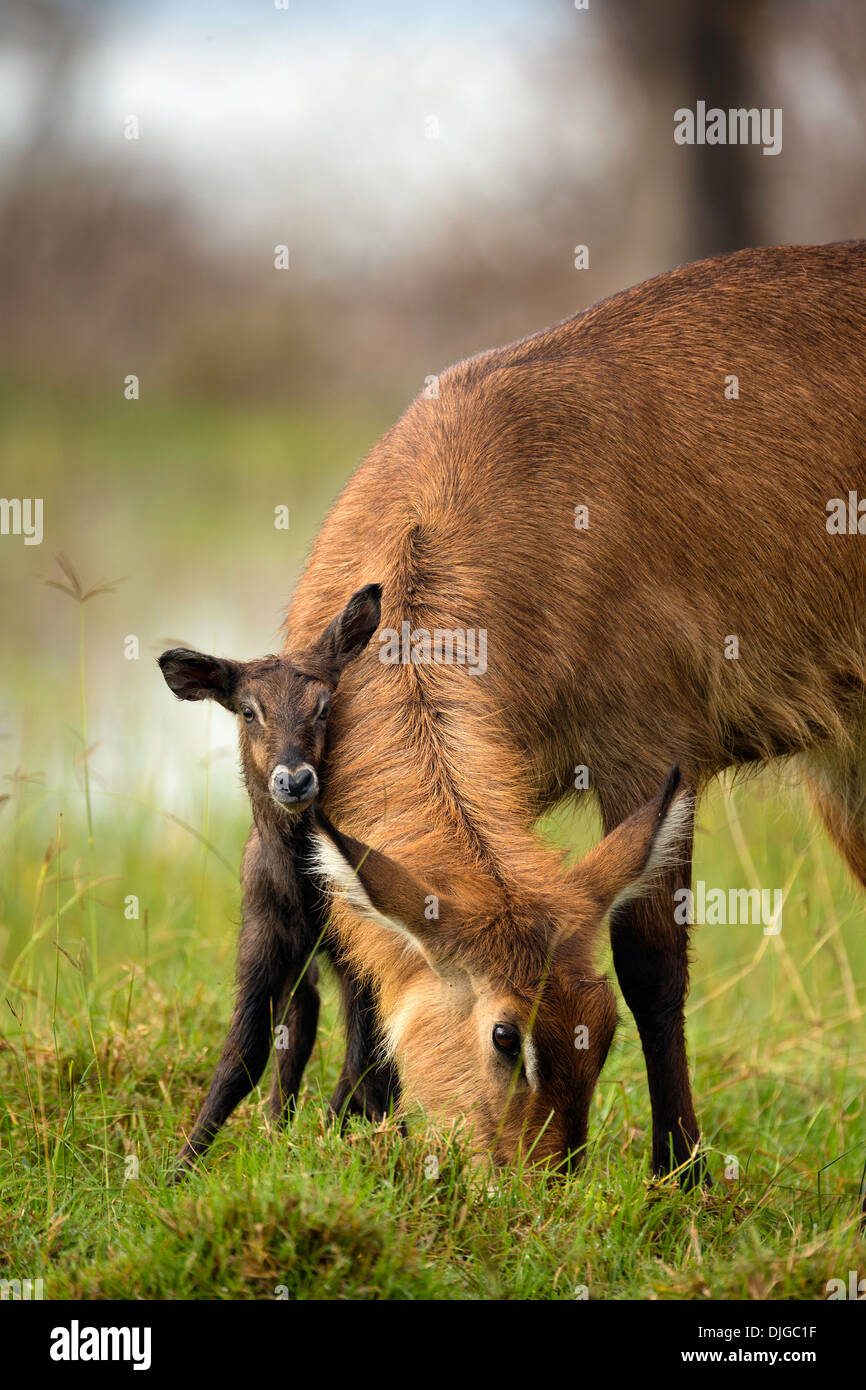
x=282, y=705
x=609, y=501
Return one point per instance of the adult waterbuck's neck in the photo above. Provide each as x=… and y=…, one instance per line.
x=479, y=943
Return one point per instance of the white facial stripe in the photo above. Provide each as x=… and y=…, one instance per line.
x=530, y=1062
x=329, y=862
x=257, y=709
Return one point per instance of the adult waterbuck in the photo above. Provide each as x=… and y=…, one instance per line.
x=609, y=501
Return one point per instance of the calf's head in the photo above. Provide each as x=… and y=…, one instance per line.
x=489, y=1002
x=281, y=702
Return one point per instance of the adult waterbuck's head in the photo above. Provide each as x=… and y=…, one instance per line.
x=489, y=999
x=281, y=702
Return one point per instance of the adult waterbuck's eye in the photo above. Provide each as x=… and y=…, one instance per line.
x=248, y=713
x=506, y=1040
x=323, y=708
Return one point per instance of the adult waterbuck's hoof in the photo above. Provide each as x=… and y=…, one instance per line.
x=690, y=1167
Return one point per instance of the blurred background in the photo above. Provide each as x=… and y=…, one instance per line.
x=430, y=170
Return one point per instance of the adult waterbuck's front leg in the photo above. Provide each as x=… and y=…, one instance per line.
x=650, y=954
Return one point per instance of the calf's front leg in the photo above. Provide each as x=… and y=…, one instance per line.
x=368, y=1084
x=264, y=962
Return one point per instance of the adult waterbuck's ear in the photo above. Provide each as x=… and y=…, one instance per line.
x=627, y=862
x=194, y=676
x=382, y=891
x=347, y=635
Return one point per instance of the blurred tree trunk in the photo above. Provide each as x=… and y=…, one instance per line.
x=53, y=34
x=717, y=69
x=690, y=51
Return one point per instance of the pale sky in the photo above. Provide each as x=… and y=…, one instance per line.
x=322, y=114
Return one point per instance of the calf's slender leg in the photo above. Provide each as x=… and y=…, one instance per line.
x=264, y=961
x=284, y=924
x=368, y=1084
x=298, y=1016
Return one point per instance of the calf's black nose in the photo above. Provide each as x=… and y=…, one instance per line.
x=302, y=783
x=290, y=786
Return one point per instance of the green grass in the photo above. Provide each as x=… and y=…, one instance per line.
x=111, y=1023
x=102, y=1065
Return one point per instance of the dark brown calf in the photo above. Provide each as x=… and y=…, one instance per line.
x=282, y=705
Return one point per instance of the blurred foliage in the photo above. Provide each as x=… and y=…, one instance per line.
x=109, y=268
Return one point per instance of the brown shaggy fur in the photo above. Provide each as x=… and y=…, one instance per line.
x=606, y=646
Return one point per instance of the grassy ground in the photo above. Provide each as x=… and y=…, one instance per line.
x=111, y=1023
x=111, y=1028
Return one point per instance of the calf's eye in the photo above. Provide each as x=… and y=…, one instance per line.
x=506, y=1040
x=248, y=713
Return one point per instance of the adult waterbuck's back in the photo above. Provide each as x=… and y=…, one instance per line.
x=612, y=545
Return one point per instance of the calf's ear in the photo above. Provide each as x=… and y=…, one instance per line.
x=347, y=635
x=194, y=676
